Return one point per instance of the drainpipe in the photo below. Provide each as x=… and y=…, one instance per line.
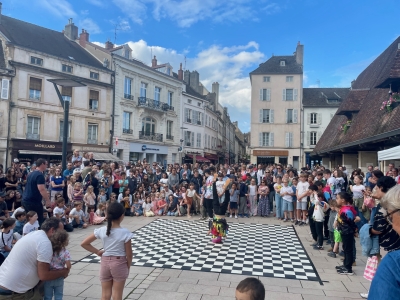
x=9, y=114
x=113, y=108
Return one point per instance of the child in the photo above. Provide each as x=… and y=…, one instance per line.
x=125, y=198
x=96, y=218
x=190, y=195
x=116, y=258
x=102, y=198
x=286, y=194
x=313, y=194
x=153, y=204
x=358, y=191
x=250, y=289
x=331, y=228
x=252, y=196
x=203, y=212
x=77, y=216
x=61, y=258
x=89, y=199
x=347, y=229
x=172, y=206
x=243, y=209
x=19, y=224
x=60, y=212
x=278, y=198
x=147, y=212
x=101, y=210
x=77, y=194
x=234, y=200
x=7, y=236
x=320, y=206
x=301, y=193
x=137, y=209
x=31, y=223
x=295, y=181
x=161, y=206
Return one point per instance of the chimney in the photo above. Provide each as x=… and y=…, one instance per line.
x=186, y=77
x=195, y=80
x=71, y=31
x=83, y=37
x=180, y=73
x=299, y=53
x=109, y=45
x=215, y=89
x=352, y=83
x=154, y=62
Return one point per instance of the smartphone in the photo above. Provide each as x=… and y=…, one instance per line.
x=322, y=203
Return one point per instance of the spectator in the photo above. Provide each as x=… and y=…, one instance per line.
x=250, y=289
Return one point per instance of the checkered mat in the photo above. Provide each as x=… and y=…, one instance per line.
x=249, y=249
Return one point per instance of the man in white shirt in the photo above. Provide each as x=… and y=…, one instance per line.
x=28, y=263
x=260, y=174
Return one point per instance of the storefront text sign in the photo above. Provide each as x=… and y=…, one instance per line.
x=49, y=146
x=270, y=153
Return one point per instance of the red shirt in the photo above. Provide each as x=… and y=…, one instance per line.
x=160, y=203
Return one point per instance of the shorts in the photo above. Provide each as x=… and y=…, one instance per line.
x=338, y=237
x=287, y=206
x=113, y=268
x=189, y=200
x=301, y=205
x=233, y=205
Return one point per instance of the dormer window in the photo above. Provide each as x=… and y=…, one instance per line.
x=333, y=101
x=282, y=63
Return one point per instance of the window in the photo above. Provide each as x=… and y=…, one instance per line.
x=62, y=130
x=189, y=101
x=94, y=100
x=66, y=93
x=282, y=63
x=170, y=95
x=265, y=94
x=92, y=133
x=198, y=144
x=266, y=116
x=169, y=130
x=94, y=75
x=199, y=104
x=267, y=79
x=313, y=118
x=36, y=61
x=289, y=139
x=188, y=115
x=332, y=101
x=313, y=138
x=143, y=89
x=205, y=141
x=289, y=116
x=67, y=69
x=126, y=122
x=148, y=126
x=157, y=92
x=289, y=78
x=209, y=143
x=35, y=88
x=33, y=130
x=197, y=118
x=266, y=139
x=128, y=88
x=189, y=138
x=289, y=95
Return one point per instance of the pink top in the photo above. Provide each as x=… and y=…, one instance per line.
x=59, y=259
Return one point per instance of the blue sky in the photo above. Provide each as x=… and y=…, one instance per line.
x=224, y=40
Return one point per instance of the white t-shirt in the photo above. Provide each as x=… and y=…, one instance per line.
x=74, y=212
x=8, y=238
x=287, y=189
x=28, y=227
x=19, y=272
x=59, y=211
x=357, y=191
x=114, y=245
x=302, y=187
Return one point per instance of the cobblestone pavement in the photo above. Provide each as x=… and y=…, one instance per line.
x=156, y=283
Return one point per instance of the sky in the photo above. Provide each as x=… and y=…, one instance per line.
x=224, y=40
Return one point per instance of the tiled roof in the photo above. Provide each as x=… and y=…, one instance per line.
x=365, y=101
x=319, y=96
x=272, y=66
x=191, y=91
x=45, y=40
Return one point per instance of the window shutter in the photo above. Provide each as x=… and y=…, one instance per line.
x=202, y=119
x=290, y=139
x=186, y=114
x=271, y=116
x=185, y=137
x=271, y=139
x=195, y=117
x=261, y=94
x=295, y=94
x=260, y=137
x=286, y=115
x=319, y=119
x=268, y=95
x=309, y=118
x=284, y=94
x=261, y=115
x=308, y=138
x=295, y=116
x=287, y=137
x=5, y=85
x=35, y=84
x=192, y=139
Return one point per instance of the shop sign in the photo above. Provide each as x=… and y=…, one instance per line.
x=136, y=147
x=48, y=146
x=193, y=152
x=270, y=153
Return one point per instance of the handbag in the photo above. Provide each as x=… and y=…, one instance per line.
x=370, y=268
x=318, y=214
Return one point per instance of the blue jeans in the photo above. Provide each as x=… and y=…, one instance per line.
x=56, y=286
x=373, y=213
x=279, y=205
x=76, y=224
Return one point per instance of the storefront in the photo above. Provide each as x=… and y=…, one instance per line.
x=195, y=156
x=152, y=153
x=100, y=153
x=211, y=157
x=269, y=157
x=30, y=151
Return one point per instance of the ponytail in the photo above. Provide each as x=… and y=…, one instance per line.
x=109, y=224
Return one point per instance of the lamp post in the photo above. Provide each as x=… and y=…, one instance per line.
x=182, y=140
x=65, y=104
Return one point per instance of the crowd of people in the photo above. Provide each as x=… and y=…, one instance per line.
x=339, y=207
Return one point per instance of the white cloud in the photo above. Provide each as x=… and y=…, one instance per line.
x=59, y=8
x=90, y=26
x=134, y=9
x=271, y=8
x=99, y=3
x=84, y=12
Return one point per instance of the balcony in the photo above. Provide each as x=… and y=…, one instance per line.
x=32, y=136
x=36, y=98
x=60, y=139
x=170, y=137
x=189, y=120
x=91, y=141
x=126, y=130
x=128, y=96
x=153, y=104
x=188, y=144
x=150, y=136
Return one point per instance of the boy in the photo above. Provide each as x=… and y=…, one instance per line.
x=250, y=289
x=243, y=210
x=77, y=216
x=332, y=217
x=302, y=193
x=330, y=184
x=286, y=194
x=59, y=212
x=19, y=224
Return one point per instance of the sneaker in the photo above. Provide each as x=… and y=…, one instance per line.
x=291, y=220
x=332, y=254
x=339, y=267
x=297, y=223
x=302, y=223
x=316, y=247
x=346, y=272
x=236, y=216
x=230, y=216
x=240, y=216
x=364, y=295
x=247, y=216
x=284, y=220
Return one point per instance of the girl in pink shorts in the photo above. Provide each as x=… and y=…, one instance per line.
x=116, y=256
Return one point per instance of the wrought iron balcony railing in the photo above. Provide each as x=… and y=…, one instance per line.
x=154, y=104
x=150, y=136
x=126, y=130
x=32, y=136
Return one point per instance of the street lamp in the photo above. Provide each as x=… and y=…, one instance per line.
x=182, y=140
x=65, y=104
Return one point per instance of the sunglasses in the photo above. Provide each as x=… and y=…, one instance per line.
x=389, y=216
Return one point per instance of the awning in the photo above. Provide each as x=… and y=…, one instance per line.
x=199, y=158
x=389, y=154
x=39, y=152
x=211, y=156
x=105, y=156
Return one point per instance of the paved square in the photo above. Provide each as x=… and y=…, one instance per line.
x=250, y=249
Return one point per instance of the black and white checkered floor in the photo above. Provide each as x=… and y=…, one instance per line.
x=249, y=249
